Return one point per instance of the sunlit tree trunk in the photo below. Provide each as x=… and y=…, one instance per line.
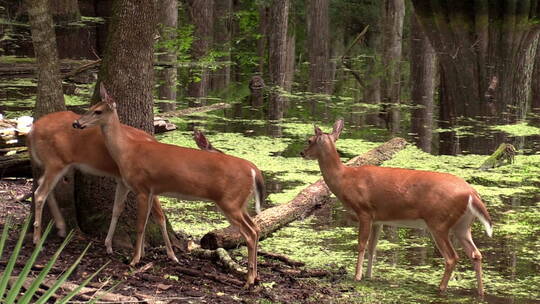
x=128, y=74
x=423, y=72
x=318, y=46
x=393, y=13
x=201, y=13
x=221, y=77
x=479, y=42
x=277, y=55
x=166, y=77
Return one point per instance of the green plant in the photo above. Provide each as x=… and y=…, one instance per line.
x=13, y=291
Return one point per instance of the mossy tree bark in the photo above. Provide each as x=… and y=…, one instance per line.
x=479, y=43
x=127, y=72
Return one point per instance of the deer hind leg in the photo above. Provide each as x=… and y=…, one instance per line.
x=47, y=181
x=463, y=234
x=143, y=210
x=249, y=231
x=372, y=246
x=364, y=230
x=57, y=215
x=160, y=218
x=118, y=207
x=449, y=254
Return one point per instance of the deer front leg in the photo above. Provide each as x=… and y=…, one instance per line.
x=372, y=247
x=364, y=230
x=46, y=185
x=118, y=207
x=143, y=211
x=160, y=218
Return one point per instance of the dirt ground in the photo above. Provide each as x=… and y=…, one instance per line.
x=158, y=280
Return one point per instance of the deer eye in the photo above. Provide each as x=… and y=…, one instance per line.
x=98, y=112
x=309, y=141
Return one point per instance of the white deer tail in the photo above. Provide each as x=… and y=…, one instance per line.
x=477, y=208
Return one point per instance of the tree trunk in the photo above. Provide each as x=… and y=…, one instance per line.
x=65, y=11
x=392, y=32
x=201, y=13
x=535, y=94
x=221, y=77
x=277, y=55
x=290, y=54
x=127, y=72
x=372, y=80
x=308, y=200
x=50, y=97
x=318, y=46
x=166, y=77
x=264, y=13
x=423, y=72
x=478, y=42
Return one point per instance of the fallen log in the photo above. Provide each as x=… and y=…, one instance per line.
x=308, y=200
x=16, y=165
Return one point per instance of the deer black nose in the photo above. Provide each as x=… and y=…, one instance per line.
x=302, y=154
x=77, y=125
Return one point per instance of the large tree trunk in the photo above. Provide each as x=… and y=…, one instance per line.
x=201, y=13
x=221, y=77
x=392, y=31
x=127, y=72
x=423, y=72
x=308, y=200
x=479, y=42
x=277, y=50
x=166, y=77
x=50, y=97
x=535, y=94
x=318, y=46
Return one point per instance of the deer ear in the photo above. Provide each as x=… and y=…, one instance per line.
x=103, y=92
x=338, y=127
x=318, y=131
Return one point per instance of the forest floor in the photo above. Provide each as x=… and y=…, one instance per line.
x=156, y=279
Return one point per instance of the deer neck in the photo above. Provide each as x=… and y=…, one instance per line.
x=114, y=138
x=331, y=166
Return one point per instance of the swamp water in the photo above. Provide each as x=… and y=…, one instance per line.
x=408, y=267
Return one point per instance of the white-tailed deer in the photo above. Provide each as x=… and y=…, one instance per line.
x=440, y=202
x=56, y=147
x=153, y=168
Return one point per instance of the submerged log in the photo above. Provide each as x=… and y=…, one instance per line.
x=505, y=152
x=308, y=200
